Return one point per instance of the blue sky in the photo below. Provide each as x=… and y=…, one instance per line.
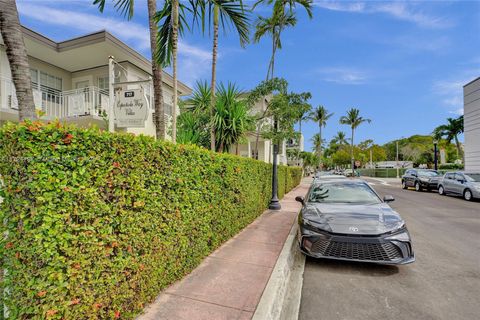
x=402, y=63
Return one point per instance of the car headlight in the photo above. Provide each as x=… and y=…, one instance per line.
x=402, y=236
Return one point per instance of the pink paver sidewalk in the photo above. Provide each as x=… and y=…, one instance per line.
x=229, y=283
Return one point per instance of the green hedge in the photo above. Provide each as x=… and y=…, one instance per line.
x=98, y=224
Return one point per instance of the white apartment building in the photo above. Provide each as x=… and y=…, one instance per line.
x=265, y=147
x=471, y=111
x=71, y=79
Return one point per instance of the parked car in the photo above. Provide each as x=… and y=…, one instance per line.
x=421, y=179
x=347, y=220
x=463, y=184
x=351, y=173
x=326, y=175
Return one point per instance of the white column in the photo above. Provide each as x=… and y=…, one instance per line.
x=111, y=78
x=249, y=148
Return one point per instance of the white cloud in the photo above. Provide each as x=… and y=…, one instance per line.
x=451, y=91
x=343, y=75
x=193, y=61
x=400, y=10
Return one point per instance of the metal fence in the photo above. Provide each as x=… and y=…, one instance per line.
x=387, y=172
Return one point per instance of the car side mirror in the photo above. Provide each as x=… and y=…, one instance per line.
x=300, y=199
x=388, y=198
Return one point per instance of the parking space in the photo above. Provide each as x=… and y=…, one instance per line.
x=443, y=283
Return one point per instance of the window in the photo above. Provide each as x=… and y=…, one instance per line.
x=50, y=83
x=449, y=176
x=103, y=82
x=34, y=76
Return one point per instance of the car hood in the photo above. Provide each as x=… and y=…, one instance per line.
x=352, y=218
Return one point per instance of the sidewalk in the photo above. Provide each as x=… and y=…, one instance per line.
x=229, y=283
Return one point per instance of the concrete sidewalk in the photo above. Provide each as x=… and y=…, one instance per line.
x=229, y=283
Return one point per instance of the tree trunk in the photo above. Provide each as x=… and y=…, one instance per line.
x=457, y=143
x=214, y=74
x=156, y=74
x=12, y=35
x=175, y=82
x=351, y=153
x=320, y=146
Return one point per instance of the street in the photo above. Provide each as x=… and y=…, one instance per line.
x=443, y=282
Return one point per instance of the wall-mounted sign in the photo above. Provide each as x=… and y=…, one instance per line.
x=131, y=108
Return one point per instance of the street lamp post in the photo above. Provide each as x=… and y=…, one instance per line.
x=435, y=158
x=274, y=202
x=398, y=174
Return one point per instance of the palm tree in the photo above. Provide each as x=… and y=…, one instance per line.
x=450, y=131
x=173, y=22
x=353, y=119
x=320, y=115
x=12, y=35
x=221, y=13
x=231, y=120
x=317, y=143
x=340, y=138
x=126, y=8
x=273, y=26
x=279, y=20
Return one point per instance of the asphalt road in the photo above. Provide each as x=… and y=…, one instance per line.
x=443, y=282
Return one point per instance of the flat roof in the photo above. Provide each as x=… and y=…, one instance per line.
x=75, y=54
x=478, y=78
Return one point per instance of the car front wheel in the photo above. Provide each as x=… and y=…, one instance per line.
x=467, y=195
x=404, y=184
x=417, y=186
x=441, y=190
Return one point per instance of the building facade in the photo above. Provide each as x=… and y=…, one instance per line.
x=471, y=111
x=263, y=146
x=71, y=79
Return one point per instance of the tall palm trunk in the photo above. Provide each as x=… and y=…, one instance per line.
x=214, y=74
x=457, y=143
x=351, y=152
x=156, y=74
x=175, y=83
x=269, y=76
x=11, y=32
x=320, y=146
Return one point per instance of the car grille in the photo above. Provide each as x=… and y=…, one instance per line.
x=358, y=251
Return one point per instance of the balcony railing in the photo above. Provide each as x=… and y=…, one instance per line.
x=58, y=104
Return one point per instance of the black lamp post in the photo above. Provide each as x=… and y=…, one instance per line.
x=274, y=202
x=435, y=157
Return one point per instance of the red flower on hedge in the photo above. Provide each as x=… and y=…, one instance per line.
x=117, y=314
x=42, y=294
x=68, y=138
x=116, y=164
x=51, y=312
x=97, y=305
x=74, y=301
x=9, y=245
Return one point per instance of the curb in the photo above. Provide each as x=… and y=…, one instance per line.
x=281, y=297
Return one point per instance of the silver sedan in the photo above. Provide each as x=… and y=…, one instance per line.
x=463, y=184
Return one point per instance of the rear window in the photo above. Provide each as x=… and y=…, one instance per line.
x=359, y=193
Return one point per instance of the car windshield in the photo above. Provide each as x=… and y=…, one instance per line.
x=358, y=193
x=475, y=177
x=428, y=173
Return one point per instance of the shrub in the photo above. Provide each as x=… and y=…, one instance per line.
x=98, y=223
x=450, y=166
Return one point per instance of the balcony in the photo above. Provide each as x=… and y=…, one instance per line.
x=89, y=102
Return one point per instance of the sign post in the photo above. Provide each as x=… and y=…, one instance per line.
x=111, y=78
